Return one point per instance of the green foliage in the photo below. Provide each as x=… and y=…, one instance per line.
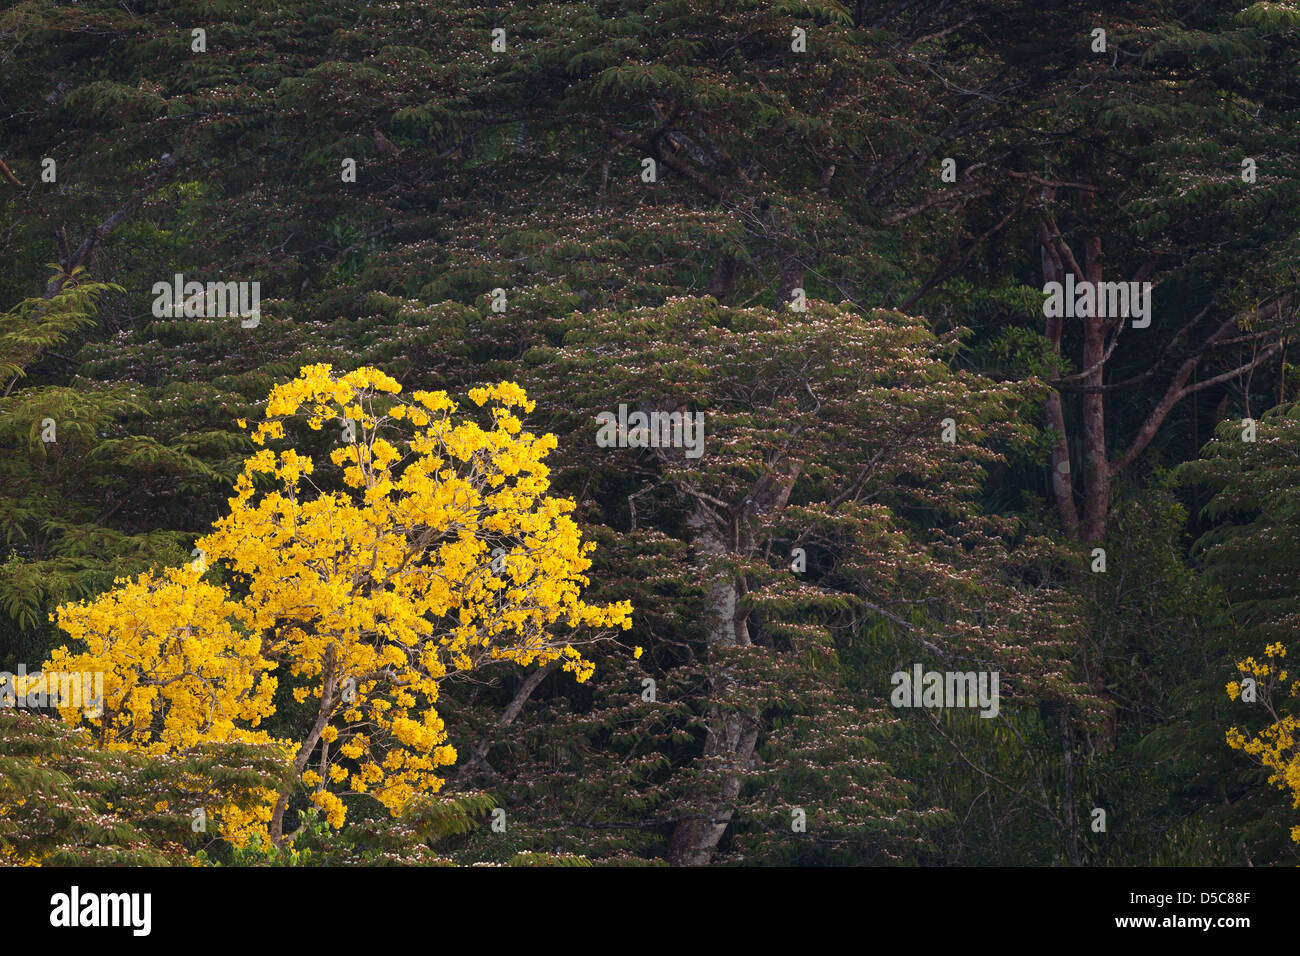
x=378, y=841
x=63, y=802
x=776, y=170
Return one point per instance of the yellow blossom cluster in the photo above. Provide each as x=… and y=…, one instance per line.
x=433, y=548
x=1274, y=746
x=179, y=663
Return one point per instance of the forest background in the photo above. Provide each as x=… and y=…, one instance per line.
x=827, y=226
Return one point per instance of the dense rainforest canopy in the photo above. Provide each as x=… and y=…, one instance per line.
x=466, y=239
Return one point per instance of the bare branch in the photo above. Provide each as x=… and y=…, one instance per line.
x=160, y=173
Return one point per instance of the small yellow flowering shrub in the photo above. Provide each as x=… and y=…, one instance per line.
x=437, y=550
x=1275, y=745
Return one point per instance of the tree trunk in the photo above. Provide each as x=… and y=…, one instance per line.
x=1070, y=814
x=731, y=730
x=791, y=277
x=328, y=701
x=1096, y=500
x=1062, y=484
x=731, y=733
x=724, y=278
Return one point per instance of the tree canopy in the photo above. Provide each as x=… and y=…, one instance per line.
x=611, y=406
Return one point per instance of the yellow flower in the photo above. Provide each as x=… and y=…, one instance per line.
x=319, y=575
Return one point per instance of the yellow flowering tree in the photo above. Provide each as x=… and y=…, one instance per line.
x=1275, y=745
x=429, y=546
